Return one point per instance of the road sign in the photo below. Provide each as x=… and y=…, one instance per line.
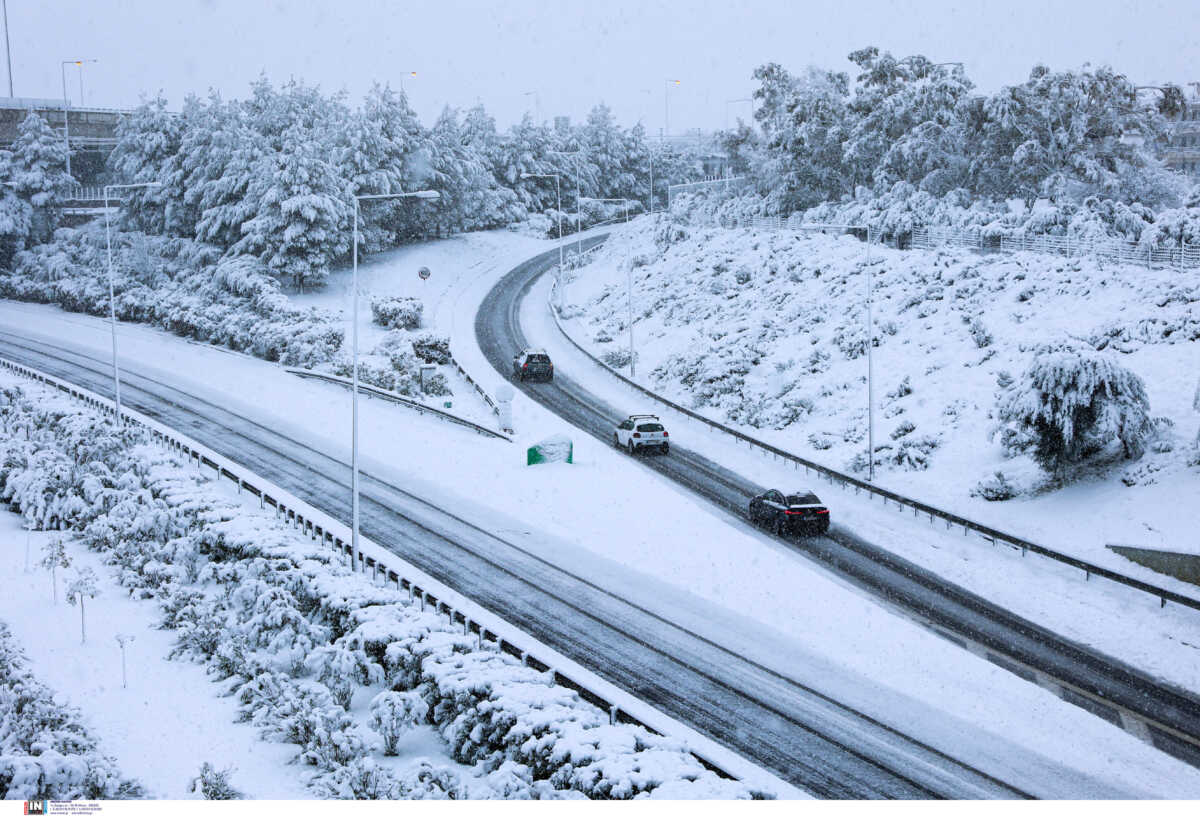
x=423, y=273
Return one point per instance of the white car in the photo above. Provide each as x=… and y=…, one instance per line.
x=642, y=432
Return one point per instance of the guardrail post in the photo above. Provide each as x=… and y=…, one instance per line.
x=612, y=715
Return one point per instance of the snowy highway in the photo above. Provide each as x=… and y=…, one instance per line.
x=1117, y=692
x=805, y=737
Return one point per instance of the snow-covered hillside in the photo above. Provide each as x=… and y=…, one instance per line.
x=767, y=331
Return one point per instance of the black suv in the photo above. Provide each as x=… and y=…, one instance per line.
x=533, y=364
x=785, y=514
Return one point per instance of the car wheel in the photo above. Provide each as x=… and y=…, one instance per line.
x=665, y=449
x=778, y=527
x=616, y=441
x=632, y=449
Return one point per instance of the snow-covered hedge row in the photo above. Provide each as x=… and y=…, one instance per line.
x=185, y=287
x=45, y=751
x=904, y=208
x=297, y=636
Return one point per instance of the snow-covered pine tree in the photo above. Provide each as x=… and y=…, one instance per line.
x=39, y=173
x=15, y=215
x=83, y=585
x=146, y=142
x=1075, y=401
x=219, y=172
x=304, y=218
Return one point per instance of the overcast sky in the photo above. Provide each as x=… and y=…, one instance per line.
x=572, y=54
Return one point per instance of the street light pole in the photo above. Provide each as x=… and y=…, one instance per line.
x=666, y=105
x=112, y=298
x=423, y=194
x=578, y=199
x=8, y=50
x=870, y=371
x=412, y=74
x=67, y=103
x=558, y=198
x=629, y=285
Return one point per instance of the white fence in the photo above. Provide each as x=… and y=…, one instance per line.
x=1181, y=256
x=81, y=193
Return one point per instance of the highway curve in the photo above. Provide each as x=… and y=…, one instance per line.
x=1168, y=716
x=803, y=736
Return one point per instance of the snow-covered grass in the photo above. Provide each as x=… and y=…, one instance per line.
x=766, y=331
x=304, y=645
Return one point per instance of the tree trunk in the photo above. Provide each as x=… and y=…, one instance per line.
x=82, y=621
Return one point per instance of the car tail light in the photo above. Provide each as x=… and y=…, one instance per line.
x=822, y=511
x=665, y=434
x=637, y=436
x=524, y=365
x=793, y=512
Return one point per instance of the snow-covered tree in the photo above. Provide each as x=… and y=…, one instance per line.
x=83, y=585
x=54, y=556
x=395, y=712
x=1073, y=402
x=16, y=215
x=38, y=172
x=303, y=219
x=146, y=141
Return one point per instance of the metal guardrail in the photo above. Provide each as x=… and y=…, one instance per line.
x=1183, y=256
x=399, y=399
x=478, y=388
x=919, y=508
x=485, y=625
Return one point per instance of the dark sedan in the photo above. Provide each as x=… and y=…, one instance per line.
x=790, y=513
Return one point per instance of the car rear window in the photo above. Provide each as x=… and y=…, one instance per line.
x=650, y=427
x=538, y=358
x=803, y=498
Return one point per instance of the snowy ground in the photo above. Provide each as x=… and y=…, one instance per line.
x=756, y=329
x=625, y=527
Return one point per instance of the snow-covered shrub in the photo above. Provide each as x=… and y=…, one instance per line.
x=45, y=750
x=343, y=667
x=214, y=784
x=980, y=334
x=397, y=312
x=273, y=597
x=184, y=287
x=616, y=357
x=996, y=487
x=428, y=782
x=360, y=778
x=395, y=712
x=902, y=389
x=432, y=348
x=1075, y=401
x=903, y=429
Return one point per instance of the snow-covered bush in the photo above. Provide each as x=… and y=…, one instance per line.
x=270, y=597
x=45, y=750
x=395, y=712
x=996, y=487
x=397, y=312
x=214, y=784
x=1075, y=401
x=182, y=286
x=432, y=348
